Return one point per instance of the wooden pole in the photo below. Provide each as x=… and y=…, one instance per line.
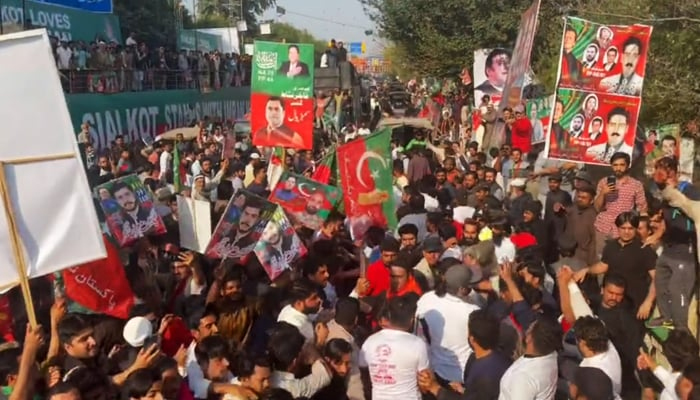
x=17, y=248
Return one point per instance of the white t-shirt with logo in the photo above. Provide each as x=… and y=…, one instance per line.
x=394, y=359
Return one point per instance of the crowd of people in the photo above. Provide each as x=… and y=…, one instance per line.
x=108, y=67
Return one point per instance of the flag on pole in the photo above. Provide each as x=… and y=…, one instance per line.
x=177, y=165
x=275, y=167
x=325, y=167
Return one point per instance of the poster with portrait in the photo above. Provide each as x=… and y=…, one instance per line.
x=240, y=227
x=282, y=95
x=194, y=222
x=590, y=127
x=661, y=141
x=604, y=58
x=490, y=74
x=129, y=209
x=306, y=201
x=539, y=111
x=279, y=245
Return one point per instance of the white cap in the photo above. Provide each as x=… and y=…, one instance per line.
x=255, y=156
x=137, y=330
x=518, y=182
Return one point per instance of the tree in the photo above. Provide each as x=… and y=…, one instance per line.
x=155, y=21
x=230, y=11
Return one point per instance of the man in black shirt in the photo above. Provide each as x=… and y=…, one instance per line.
x=677, y=263
x=625, y=256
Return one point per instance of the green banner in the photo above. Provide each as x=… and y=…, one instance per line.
x=144, y=115
x=283, y=69
x=64, y=23
x=188, y=39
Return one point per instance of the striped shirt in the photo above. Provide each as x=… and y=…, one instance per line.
x=628, y=196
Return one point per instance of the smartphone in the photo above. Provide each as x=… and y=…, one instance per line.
x=611, y=180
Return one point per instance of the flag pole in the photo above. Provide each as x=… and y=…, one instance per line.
x=17, y=248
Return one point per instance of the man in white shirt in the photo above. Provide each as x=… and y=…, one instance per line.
x=444, y=317
x=304, y=302
x=594, y=345
x=63, y=56
x=391, y=359
x=166, y=160
x=534, y=375
x=250, y=169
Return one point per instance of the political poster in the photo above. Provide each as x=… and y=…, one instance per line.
x=282, y=100
x=129, y=209
x=240, y=227
x=365, y=172
x=306, y=201
x=590, y=127
x=279, y=245
x=539, y=111
x=490, y=74
x=194, y=222
x=520, y=63
x=661, y=141
x=604, y=58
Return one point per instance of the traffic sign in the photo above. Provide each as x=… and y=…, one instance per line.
x=356, y=48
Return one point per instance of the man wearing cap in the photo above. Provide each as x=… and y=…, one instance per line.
x=426, y=271
x=250, y=169
x=581, y=180
x=545, y=167
x=521, y=131
x=517, y=201
x=444, y=316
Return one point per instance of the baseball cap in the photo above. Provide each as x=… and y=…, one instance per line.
x=137, y=330
x=584, y=176
x=462, y=276
x=254, y=156
x=555, y=177
x=432, y=244
x=593, y=383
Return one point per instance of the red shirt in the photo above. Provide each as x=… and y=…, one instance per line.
x=378, y=277
x=521, y=134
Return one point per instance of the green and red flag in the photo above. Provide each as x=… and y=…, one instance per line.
x=177, y=169
x=324, y=168
x=365, y=169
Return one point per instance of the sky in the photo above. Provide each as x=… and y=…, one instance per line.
x=329, y=19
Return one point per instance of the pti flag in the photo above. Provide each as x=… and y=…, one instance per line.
x=539, y=111
x=101, y=285
x=282, y=100
x=520, y=62
x=306, y=201
x=598, y=96
x=365, y=170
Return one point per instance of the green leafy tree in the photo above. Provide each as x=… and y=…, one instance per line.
x=155, y=21
x=222, y=13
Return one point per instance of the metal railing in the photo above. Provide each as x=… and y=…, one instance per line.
x=129, y=80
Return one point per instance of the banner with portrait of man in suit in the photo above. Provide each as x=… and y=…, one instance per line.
x=282, y=100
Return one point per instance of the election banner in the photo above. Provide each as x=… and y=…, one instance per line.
x=96, y=6
x=604, y=58
x=539, y=111
x=660, y=141
x=129, y=209
x=590, y=127
x=520, y=63
x=279, y=245
x=365, y=171
x=240, y=227
x=306, y=201
x=282, y=101
x=490, y=74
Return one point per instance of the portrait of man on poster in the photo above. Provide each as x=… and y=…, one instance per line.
x=617, y=127
x=628, y=82
x=590, y=56
x=610, y=59
x=570, y=65
x=276, y=132
x=293, y=67
x=496, y=70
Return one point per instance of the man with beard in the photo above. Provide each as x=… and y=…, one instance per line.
x=409, y=243
x=628, y=82
x=612, y=199
x=579, y=225
x=309, y=217
x=515, y=204
x=485, y=201
x=576, y=129
x=495, y=189
x=136, y=220
x=570, y=66
x=442, y=183
x=590, y=57
x=304, y=303
x=504, y=248
x=617, y=127
x=236, y=240
x=101, y=172
x=236, y=315
x=470, y=233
